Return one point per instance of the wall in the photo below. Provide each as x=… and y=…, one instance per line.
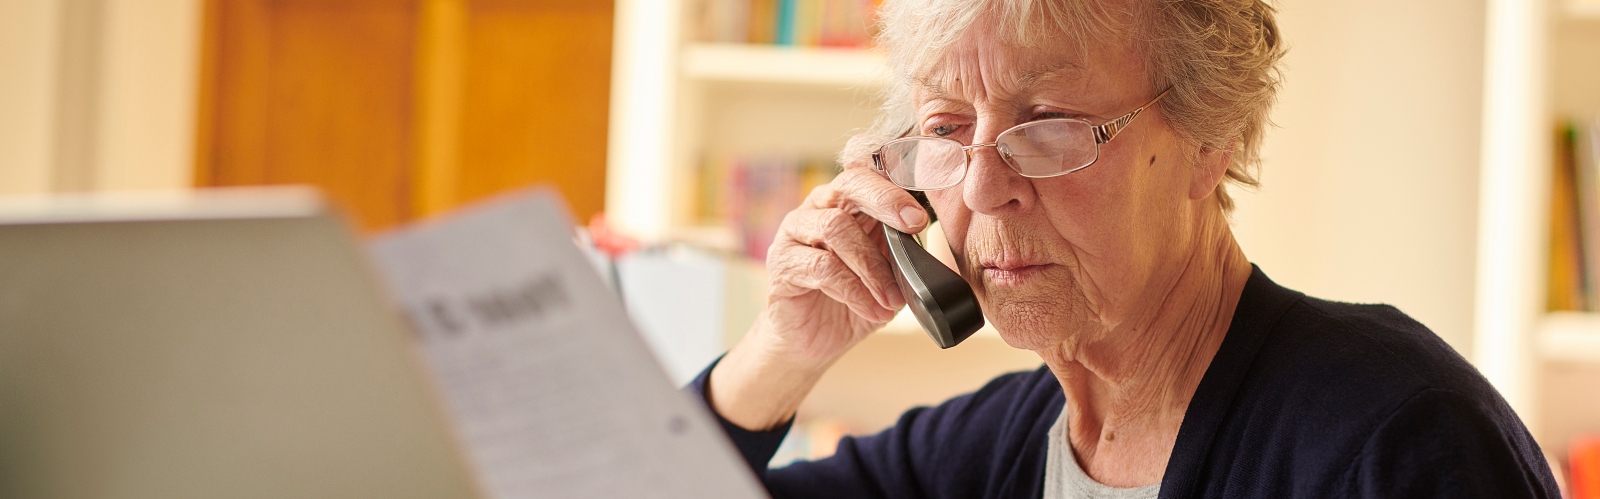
x=146, y=138
x=1575, y=82
x=1369, y=185
x=27, y=43
x=96, y=94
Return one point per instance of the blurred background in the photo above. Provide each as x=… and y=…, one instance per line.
x=1436, y=155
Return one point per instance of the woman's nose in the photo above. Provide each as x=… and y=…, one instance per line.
x=991, y=186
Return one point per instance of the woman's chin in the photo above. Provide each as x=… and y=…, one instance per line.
x=1033, y=307
x=1029, y=325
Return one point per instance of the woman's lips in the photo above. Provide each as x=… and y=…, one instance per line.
x=1011, y=274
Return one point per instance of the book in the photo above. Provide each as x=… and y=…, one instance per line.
x=762, y=192
x=763, y=21
x=1565, y=288
x=724, y=21
x=788, y=10
x=799, y=23
x=752, y=193
x=1581, y=144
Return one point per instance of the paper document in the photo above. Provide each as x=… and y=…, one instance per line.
x=553, y=392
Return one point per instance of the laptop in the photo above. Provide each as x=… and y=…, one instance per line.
x=242, y=344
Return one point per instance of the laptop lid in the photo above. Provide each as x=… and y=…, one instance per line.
x=207, y=345
x=236, y=344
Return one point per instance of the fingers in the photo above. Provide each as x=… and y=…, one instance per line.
x=867, y=191
x=835, y=230
x=833, y=243
x=800, y=269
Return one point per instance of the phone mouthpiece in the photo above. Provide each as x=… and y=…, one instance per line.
x=942, y=301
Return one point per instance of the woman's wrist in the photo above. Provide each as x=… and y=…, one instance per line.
x=760, y=383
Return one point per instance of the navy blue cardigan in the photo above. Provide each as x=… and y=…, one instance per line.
x=1305, y=398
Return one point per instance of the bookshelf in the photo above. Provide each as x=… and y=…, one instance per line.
x=677, y=100
x=679, y=103
x=1573, y=31
x=1538, y=69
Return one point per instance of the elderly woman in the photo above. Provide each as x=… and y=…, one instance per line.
x=1087, y=147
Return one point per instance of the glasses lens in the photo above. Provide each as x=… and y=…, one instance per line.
x=1049, y=148
x=923, y=163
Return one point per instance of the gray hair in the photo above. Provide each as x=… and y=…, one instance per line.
x=1219, y=56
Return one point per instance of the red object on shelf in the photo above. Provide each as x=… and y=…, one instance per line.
x=1584, y=473
x=608, y=240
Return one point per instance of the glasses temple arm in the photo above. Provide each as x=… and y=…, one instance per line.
x=1104, y=133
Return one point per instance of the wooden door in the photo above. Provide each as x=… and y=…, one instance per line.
x=400, y=108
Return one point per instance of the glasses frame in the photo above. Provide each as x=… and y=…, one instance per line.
x=1103, y=133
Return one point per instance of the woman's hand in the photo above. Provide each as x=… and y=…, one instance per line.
x=831, y=283
x=831, y=286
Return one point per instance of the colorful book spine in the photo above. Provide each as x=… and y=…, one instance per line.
x=788, y=11
x=1586, y=166
x=751, y=195
x=801, y=23
x=763, y=21
x=1565, y=286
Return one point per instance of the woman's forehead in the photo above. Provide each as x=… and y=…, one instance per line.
x=982, y=64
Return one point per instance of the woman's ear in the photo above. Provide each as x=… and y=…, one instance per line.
x=1210, y=167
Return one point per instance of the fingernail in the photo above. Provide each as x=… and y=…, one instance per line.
x=913, y=217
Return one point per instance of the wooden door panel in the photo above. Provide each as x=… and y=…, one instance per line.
x=340, y=95
x=315, y=92
x=233, y=145
x=325, y=92
x=535, y=99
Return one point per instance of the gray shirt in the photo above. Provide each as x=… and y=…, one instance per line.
x=1065, y=479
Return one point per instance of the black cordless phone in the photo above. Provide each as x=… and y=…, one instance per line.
x=938, y=296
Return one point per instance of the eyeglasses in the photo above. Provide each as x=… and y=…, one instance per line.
x=1036, y=149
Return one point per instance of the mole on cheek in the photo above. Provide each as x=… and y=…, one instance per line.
x=1152, y=160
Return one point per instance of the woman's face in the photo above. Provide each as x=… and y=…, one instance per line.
x=1073, y=256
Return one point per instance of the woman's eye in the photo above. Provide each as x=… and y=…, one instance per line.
x=945, y=130
x=1049, y=116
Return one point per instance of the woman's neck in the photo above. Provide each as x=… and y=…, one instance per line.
x=1128, y=385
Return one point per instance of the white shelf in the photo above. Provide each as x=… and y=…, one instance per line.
x=1569, y=337
x=753, y=63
